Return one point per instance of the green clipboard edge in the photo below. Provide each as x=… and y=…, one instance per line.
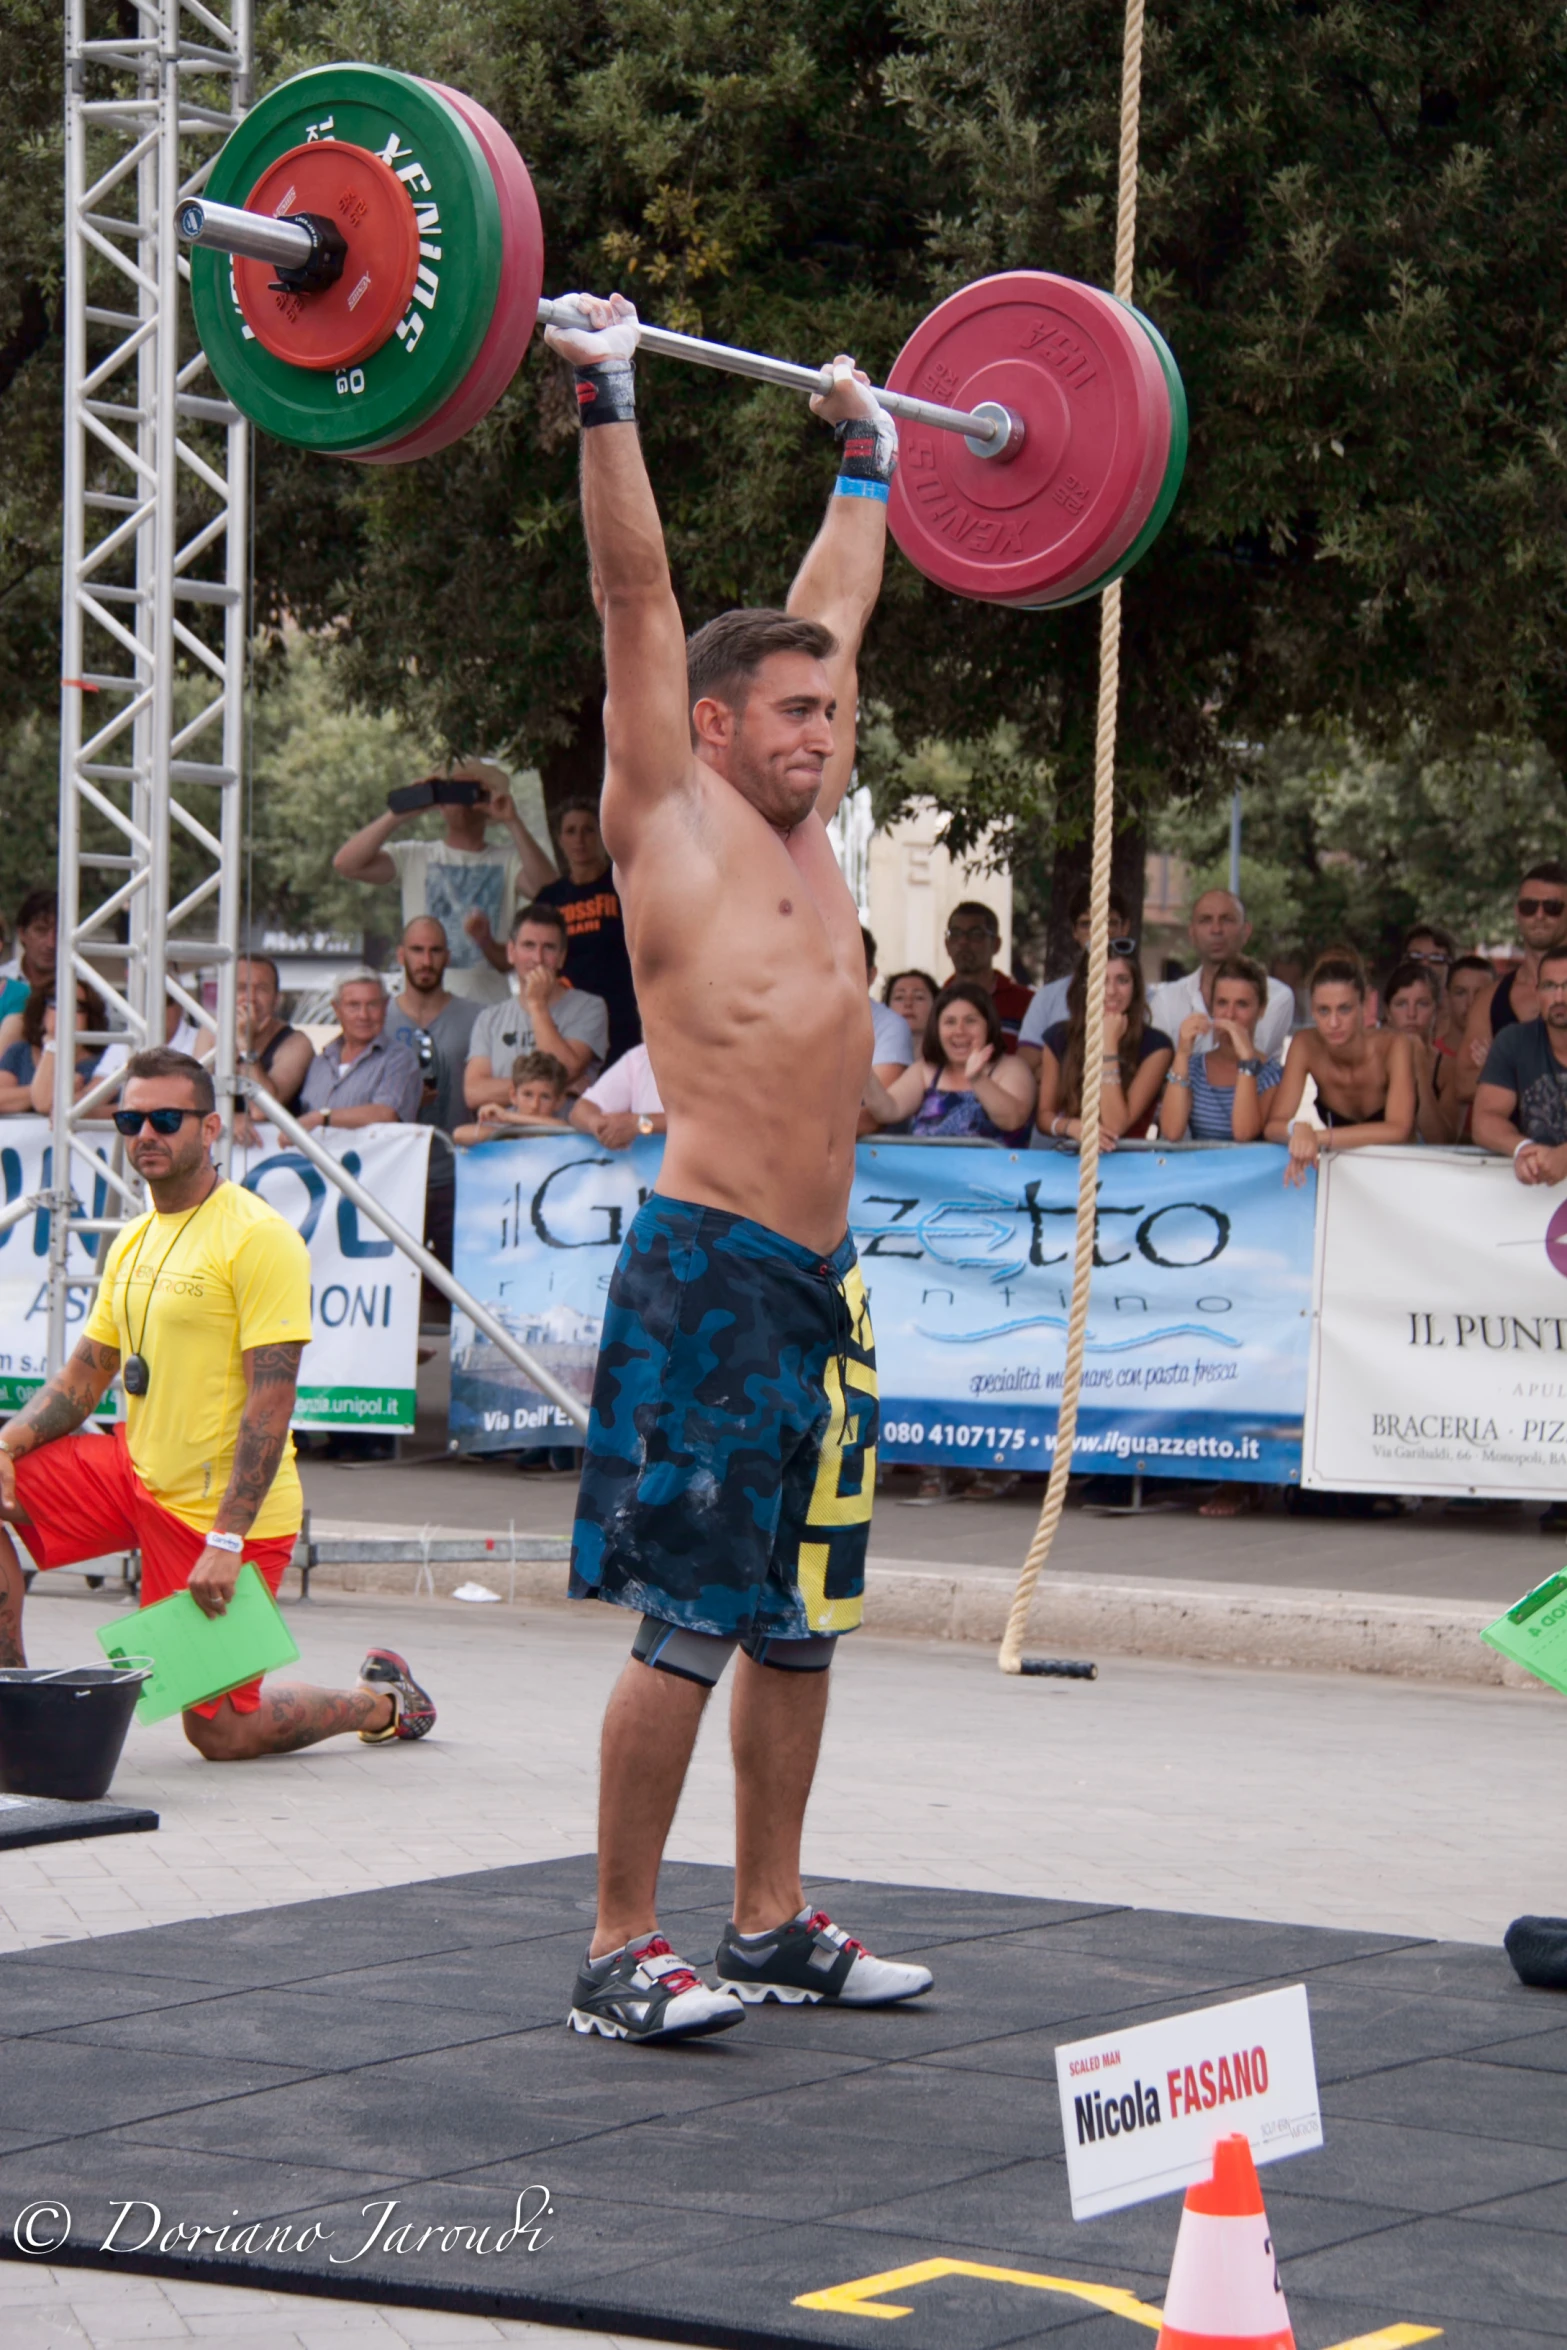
x=1533, y=1633
x=195, y=1657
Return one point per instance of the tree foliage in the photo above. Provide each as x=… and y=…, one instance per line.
x=1341, y=844
x=1351, y=221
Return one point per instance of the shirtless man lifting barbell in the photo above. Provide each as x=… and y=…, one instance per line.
x=730, y=1463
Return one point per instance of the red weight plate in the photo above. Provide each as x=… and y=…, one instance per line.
x=1096, y=412
x=516, y=307
x=364, y=198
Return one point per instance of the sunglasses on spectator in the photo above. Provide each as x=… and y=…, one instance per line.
x=131, y=1122
x=1551, y=906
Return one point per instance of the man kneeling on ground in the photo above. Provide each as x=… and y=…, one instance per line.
x=203, y=1310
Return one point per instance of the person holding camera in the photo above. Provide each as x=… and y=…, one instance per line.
x=470, y=887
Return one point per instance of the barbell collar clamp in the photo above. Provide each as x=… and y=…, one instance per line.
x=1007, y=442
x=328, y=253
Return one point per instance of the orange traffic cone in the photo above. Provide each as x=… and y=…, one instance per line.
x=1224, y=2291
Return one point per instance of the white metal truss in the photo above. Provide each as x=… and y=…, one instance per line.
x=155, y=592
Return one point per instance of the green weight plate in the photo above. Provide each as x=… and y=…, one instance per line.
x=1169, y=488
x=437, y=157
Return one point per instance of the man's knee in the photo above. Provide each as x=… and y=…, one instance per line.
x=221, y=1737
x=812, y=1655
x=689, y=1656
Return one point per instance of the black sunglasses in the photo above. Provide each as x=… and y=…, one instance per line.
x=1550, y=906
x=131, y=1122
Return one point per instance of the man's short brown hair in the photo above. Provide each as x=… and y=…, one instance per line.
x=541, y=917
x=723, y=658
x=159, y=1060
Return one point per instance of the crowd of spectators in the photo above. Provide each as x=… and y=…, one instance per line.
x=1448, y=1050
x=516, y=1009
x=512, y=1011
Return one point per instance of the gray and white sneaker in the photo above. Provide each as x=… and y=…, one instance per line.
x=809, y=1960
x=647, y=1992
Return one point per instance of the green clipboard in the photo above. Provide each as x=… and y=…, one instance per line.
x=1534, y=1632
x=196, y=1657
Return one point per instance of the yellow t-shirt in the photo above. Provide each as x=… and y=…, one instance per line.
x=191, y=1303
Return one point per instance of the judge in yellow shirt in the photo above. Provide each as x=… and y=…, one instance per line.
x=203, y=1311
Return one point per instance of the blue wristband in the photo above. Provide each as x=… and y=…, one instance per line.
x=849, y=485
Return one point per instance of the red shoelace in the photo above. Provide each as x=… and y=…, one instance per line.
x=676, y=1979
x=820, y=1923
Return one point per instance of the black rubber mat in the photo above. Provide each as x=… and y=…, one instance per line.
x=38, y=1819
x=277, y=2080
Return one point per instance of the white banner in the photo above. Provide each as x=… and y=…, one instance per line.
x=1439, y=1358
x=26, y=1167
x=359, y=1368
x=1142, y=2108
x=358, y=1371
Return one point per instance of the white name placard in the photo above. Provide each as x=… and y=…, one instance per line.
x=1142, y=2107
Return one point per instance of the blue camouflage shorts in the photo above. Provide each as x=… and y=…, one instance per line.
x=731, y=1452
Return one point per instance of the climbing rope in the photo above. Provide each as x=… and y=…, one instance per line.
x=1011, y=1653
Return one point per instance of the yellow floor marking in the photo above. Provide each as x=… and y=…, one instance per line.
x=858, y=2298
x=861, y=2298
x=1391, y=2338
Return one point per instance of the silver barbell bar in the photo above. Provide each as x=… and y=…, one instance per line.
x=989, y=429
x=229, y=228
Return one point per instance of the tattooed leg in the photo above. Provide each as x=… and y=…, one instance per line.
x=12, y=1591
x=287, y=1718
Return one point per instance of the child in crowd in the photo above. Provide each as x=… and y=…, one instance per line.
x=538, y=1101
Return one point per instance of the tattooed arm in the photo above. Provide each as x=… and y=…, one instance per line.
x=55, y=1410
x=271, y=1377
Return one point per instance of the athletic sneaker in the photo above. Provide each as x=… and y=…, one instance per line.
x=647, y=1992
x=413, y=1713
x=811, y=1959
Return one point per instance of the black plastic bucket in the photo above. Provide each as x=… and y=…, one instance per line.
x=61, y=1732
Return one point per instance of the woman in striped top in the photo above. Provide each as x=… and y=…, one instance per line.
x=1223, y=1094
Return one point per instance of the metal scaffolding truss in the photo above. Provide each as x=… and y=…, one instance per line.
x=155, y=593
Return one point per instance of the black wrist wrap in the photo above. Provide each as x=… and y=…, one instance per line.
x=607, y=394
x=863, y=453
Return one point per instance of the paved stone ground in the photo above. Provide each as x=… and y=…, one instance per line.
x=85, y=2309
x=1494, y=1555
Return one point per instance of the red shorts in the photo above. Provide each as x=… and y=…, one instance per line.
x=80, y=1497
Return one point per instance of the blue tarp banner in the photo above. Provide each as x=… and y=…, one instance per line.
x=1198, y=1327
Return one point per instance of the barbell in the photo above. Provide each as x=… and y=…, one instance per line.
x=366, y=269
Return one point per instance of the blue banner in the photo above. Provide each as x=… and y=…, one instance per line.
x=1199, y=1313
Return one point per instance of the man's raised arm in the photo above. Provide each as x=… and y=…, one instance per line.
x=647, y=730
x=840, y=579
